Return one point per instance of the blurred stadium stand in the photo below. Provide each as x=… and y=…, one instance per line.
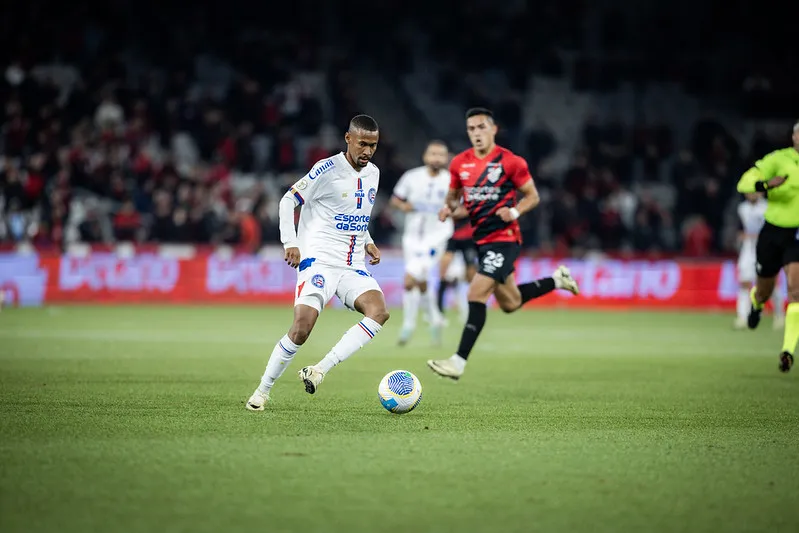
x=140, y=122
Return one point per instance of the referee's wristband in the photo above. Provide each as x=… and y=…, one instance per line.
x=760, y=186
x=514, y=213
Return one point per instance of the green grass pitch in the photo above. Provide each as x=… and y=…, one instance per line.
x=132, y=419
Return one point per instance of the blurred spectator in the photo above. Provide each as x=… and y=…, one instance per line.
x=127, y=222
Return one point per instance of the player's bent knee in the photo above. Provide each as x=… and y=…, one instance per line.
x=300, y=331
x=509, y=306
x=380, y=316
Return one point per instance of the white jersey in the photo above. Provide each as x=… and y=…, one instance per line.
x=752, y=217
x=336, y=205
x=427, y=194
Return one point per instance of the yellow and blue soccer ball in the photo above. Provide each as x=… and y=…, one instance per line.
x=400, y=391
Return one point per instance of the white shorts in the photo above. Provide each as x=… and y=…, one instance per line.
x=316, y=285
x=746, y=265
x=420, y=260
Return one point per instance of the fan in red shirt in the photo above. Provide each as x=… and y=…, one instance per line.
x=486, y=180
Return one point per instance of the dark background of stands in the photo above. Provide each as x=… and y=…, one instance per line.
x=173, y=123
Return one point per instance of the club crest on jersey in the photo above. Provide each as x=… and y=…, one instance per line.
x=494, y=171
x=372, y=195
x=464, y=175
x=318, y=281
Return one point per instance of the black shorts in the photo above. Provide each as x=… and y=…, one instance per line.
x=776, y=247
x=497, y=259
x=466, y=247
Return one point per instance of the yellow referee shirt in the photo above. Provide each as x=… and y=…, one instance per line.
x=783, y=201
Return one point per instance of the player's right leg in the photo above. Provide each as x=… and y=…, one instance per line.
x=769, y=261
x=315, y=287
x=480, y=290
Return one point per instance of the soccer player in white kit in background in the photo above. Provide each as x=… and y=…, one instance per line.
x=752, y=213
x=419, y=193
x=327, y=250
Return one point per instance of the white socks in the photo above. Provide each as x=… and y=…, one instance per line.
x=410, y=308
x=744, y=303
x=353, y=340
x=282, y=354
x=458, y=361
x=431, y=308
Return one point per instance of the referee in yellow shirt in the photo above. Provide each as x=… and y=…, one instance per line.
x=777, y=175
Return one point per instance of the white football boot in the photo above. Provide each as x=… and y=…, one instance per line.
x=446, y=368
x=311, y=376
x=564, y=280
x=257, y=401
x=779, y=322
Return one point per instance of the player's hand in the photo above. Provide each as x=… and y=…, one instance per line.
x=775, y=182
x=374, y=253
x=505, y=214
x=292, y=257
x=445, y=213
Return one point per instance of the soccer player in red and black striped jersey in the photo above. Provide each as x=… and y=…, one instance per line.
x=488, y=178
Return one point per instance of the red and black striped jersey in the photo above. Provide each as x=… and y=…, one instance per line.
x=488, y=184
x=463, y=230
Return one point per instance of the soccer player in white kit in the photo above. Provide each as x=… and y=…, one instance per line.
x=327, y=249
x=419, y=193
x=752, y=214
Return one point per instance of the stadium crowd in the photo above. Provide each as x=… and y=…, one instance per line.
x=100, y=147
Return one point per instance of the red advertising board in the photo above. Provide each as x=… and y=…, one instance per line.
x=104, y=277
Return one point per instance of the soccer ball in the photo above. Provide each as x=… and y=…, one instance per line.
x=400, y=391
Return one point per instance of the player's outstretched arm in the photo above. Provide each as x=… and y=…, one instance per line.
x=288, y=235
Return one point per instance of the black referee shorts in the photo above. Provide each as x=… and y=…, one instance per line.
x=776, y=247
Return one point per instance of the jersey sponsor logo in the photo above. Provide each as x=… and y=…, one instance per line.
x=372, y=195
x=324, y=167
x=354, y=223
x=481, y=194
x=318, y=281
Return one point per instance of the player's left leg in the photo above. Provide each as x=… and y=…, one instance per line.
x=742, y=304
x=778, y=303
x=512, y=297
x=359, y=291
x=411, y=299
x=791, y=334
